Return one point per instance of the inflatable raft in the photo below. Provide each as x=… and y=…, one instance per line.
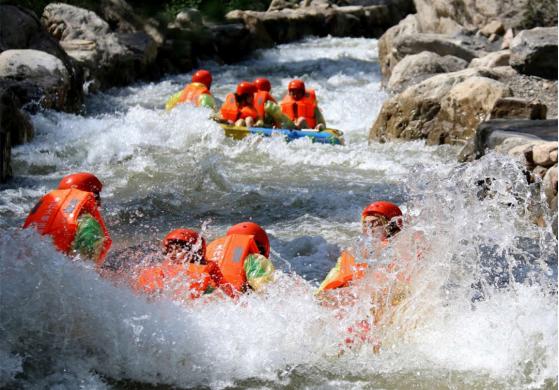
x=327, y=136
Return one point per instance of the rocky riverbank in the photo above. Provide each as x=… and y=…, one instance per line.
x=453, y=66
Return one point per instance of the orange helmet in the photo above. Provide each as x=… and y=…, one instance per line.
x=263, y=84
x=245, y=88
x=386, y=209
x=184, y=237
x=204, y=77
x=253, y=229
x=83, y=181
x=296, y=85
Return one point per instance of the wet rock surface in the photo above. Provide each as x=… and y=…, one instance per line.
x=41, y=69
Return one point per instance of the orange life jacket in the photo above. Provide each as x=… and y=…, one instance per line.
x=305, y=107
x=57, y=215
x=348, y=271
x=230, y=253
x=192, y=92
x=183, y=281
x=231, y=110
x=260, y=99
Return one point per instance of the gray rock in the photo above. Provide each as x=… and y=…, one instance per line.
x=66, y=22
x=518, y=108
x=445, y=108
x=539, y=171
x=492, y=60
x=437, y=43
x=189, y=17
x=534, y=52
x=531, y=88
x=387, y=56
x=504, y=134
x=475, y=14
x=109, y=58
x=550, y=183
x=41, y=69
x=542, y=154
x=418, y=67
x=21, y=29
x=278, y=5
x=516, y=143
x=495, y=27
x=289, y=24
x=14, y=123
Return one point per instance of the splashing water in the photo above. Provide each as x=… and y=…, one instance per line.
x=481, y=310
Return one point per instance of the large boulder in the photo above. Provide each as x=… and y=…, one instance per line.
x=21, y=29
x=121, y=18
x=407, y=38
x=445, y=108
x=109, y=58
x=15, y=126
x=437, y=43
x=387, y=58
x=418, y=67
x=40, y=69
x=534, y=52
x=474, y=14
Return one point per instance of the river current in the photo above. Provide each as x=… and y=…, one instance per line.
x=481, y=314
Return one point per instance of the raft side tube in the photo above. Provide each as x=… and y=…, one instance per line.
x=327, y=136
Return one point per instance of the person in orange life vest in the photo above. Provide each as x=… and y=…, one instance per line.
x=242, y=255
x=185, y=273
x=301, y=107
x=261, y=97
x=70, y=215
x=379, y=219
x=197, y=92
x=238, y=108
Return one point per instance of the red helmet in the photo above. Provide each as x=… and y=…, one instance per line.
x=183, y=237
x=253, y=229
x=245, y=88
x=296, y=85
x=263, y=84
x=83, y=181
x=386, y=209
x=204, y=77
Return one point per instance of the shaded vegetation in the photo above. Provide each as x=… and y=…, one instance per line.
x=539, y=13
x=165, y=10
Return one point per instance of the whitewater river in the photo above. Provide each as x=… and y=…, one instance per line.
x=481, y=313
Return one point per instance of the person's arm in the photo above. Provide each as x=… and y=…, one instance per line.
x=172, y=101
x=259, y=271
x=274, y=110
x=206, y=100
x=89, y=238
x=319, y=117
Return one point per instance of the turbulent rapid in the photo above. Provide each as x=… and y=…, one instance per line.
x=482, y=312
